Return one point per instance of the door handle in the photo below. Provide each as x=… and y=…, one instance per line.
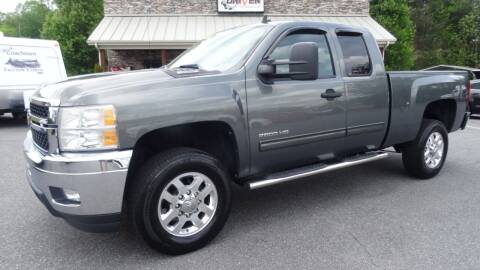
x=330, y=94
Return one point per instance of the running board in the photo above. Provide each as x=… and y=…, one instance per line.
x=310, y=170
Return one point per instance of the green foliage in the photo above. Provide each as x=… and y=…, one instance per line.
x=446, y=31
x=394, y=15
x=27, y=21
x=97, y=68
x=71, y=24
x=469, y=37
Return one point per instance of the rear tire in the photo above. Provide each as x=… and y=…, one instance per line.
x=423, y=158
x=180, y=200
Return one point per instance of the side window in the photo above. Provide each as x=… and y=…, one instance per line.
x=477, y=74
x=476, y=85
x=355, y=55
x=282, y=51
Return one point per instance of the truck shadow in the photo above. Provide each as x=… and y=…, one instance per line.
x=8, y=121
x=325, y=191
x=253, y=210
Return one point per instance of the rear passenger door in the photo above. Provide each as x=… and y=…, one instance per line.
x=366, y=88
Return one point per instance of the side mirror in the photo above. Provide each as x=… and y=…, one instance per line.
x=304, y=61
x=266, y=69
x=301, y=65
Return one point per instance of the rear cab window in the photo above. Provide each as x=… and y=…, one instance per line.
x=355, y=54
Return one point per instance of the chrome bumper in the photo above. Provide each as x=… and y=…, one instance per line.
x=98, y=178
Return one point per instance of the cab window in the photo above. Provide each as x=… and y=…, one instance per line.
x=355, y=55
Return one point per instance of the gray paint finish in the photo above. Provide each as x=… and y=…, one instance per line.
x=149, y=100
x=413, y=91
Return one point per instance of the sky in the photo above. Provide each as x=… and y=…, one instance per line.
x=9, y=5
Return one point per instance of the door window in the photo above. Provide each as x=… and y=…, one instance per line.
x=477, y=74
x=282, y=51
x=355, y=55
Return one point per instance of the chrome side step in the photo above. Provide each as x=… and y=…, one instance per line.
x=302, y=172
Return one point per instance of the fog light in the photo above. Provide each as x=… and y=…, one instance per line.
x=65, y=196
x=71, y=195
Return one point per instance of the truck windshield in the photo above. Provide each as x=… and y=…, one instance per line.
x=223, y=50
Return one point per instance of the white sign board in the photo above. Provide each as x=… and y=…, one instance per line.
x=28, y=65
x=240, y=5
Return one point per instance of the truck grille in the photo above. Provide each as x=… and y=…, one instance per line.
x=40, y=138
x=38, y=110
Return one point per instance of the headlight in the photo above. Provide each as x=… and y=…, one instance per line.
x=87, y=128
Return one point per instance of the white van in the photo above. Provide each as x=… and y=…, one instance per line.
x=26, y=64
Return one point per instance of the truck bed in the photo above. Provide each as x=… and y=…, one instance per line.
x=410, y=94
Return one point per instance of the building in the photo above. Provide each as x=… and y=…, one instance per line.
x=140, y=34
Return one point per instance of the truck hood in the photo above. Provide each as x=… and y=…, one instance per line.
x=72, y=90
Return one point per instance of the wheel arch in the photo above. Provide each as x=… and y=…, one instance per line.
x=443, y=110
x=216, y=138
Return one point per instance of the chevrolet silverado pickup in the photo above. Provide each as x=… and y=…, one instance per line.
x=256, y=105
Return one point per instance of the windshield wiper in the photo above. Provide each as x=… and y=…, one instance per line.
x=194, y=66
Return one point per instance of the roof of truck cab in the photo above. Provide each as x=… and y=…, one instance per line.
x=182, y=31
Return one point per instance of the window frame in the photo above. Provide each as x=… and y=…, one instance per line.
x=296, y=29
x=340, y=32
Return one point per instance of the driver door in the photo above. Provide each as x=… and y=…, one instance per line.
x=290, y=122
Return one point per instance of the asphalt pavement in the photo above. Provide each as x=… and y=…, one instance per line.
x=368, y=217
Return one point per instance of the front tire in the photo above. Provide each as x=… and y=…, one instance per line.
x=423, y=158
x=19, y=115
x=180, y=200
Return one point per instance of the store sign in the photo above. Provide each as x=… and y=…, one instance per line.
x=240, y=5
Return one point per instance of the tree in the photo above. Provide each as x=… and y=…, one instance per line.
x=446, y=31
x=469, y=37
x=6, y=27
x=71, y=24
x=27, y=21
x=394, y=15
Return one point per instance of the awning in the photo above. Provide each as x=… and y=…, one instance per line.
x=182, y=31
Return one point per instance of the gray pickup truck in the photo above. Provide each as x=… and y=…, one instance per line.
x=256, y=105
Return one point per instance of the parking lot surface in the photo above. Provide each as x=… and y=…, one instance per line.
x=368, y=217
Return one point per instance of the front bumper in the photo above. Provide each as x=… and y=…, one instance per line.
x=98, y=178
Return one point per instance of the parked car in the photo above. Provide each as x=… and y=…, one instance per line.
x=257, y=105
x=475, y=97
x=473, y=73
x=26, y=64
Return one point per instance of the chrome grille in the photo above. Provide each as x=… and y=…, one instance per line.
x=38, y=110
x=40, y=138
